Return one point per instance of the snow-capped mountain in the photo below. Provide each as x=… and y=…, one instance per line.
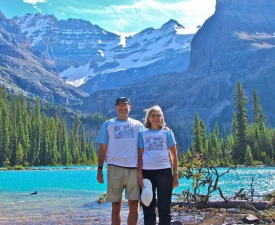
x=95, y=59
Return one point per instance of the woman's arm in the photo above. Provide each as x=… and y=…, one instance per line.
x=174, y=160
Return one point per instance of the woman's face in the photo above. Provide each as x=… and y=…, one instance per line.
x=155, y=118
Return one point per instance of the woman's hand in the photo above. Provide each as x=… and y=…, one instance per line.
x=175, y=180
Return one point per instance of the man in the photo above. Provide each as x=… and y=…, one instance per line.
x=118, y=140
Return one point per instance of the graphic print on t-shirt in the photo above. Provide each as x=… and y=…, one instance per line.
x=123, y=131
x=154, y=143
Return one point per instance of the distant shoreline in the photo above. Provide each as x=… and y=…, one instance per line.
x=88, y=167
x=49, y=168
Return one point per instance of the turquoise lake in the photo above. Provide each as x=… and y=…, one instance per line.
x=74, y=191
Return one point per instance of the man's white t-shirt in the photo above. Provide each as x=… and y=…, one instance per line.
x=121, y=136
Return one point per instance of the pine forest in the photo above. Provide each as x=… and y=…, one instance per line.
x=29, y=137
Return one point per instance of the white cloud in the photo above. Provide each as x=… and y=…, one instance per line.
x=140, y=13
x=39, y=10
x=188, y=12
x=34, y=2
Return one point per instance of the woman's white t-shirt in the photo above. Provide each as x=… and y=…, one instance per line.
x=156, y=144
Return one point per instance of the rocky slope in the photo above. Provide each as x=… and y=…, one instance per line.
x=24, y=70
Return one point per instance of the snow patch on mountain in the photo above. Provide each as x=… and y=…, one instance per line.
x=135, y=51
x=35, y=31
x=77, y=76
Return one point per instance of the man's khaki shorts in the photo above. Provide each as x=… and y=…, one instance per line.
x=120, y=178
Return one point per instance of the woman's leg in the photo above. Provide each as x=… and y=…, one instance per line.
x=164, y=192
x=149, y=212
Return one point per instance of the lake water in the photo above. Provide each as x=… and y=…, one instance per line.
x=68, y=196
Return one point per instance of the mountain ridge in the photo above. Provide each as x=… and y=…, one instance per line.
x=86, y=54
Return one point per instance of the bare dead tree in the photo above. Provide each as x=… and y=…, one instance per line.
x=205, y=176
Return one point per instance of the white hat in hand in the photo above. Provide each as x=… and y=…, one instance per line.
x=147, y=192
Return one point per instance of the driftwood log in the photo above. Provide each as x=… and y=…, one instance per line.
x=259, y=205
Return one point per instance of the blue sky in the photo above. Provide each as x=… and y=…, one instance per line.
x=117, y=16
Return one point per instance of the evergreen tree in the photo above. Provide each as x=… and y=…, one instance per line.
x=74, y=142
x=4, y=129
x=248, y=158
x=83, y=145
x=203, y=135
x=216, y=142
x=197, y=134
x=242, y=123
x=94, y=155
x=13, y=130
x=66, y=157
x=224, y=143
x=35, y=135
x=258, y=115
x=254, y=140
x=19, y=154
x=54, y=156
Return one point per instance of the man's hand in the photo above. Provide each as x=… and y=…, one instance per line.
x=140, y=180
x=101, y=156
x=100, y=177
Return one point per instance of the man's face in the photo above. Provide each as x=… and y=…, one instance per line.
x=123, y=109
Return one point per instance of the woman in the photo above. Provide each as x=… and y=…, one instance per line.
x=155, y=145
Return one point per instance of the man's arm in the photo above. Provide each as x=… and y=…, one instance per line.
x=101, y=157
x=140, y=163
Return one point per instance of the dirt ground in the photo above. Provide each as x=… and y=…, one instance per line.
x=214, y=217
x=207, y=216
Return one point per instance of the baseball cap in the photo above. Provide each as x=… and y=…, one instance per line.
x=123, y=99
x=147, y=192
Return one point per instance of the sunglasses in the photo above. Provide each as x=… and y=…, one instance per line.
x=155, y=115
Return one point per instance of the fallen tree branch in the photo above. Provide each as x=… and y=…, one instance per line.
x=259, y=205
x=251, y=207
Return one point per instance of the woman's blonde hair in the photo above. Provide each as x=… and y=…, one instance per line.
x=149, y=111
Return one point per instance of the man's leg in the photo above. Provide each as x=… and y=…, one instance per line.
x=116, y=213
x=133, y=212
